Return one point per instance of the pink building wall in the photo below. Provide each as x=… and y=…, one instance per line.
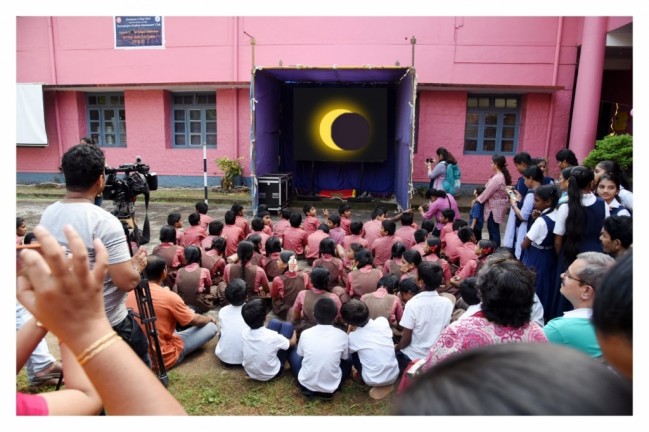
x=490, y=54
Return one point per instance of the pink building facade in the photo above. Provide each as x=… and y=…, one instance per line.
x=558, y=76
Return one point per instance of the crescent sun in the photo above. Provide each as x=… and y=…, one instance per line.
x=325, y=127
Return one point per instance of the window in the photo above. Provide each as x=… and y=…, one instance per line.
x=107, y=119
x=492, y=124
x=194, y=119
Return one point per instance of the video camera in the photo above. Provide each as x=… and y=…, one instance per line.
x=430, y=161
x=122, y=190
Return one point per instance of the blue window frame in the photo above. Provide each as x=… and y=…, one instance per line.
x=106, y=118
x=193, y=119
x=492, y=124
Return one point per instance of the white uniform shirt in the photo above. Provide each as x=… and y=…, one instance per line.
x=229, y=348
x=375, y=348
x=587, y=200
x=322, y=347
x=539, y=229
x=260, y=348
x=626, y=196
x=426, y=314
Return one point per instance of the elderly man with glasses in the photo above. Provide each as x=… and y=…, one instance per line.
x=579, y=285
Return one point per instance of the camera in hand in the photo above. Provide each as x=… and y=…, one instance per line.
x=430, y=160
x=123, y=190
x=512, y=195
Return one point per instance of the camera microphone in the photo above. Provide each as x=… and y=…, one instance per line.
x=138, y=159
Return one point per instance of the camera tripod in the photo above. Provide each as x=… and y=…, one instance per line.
x=146, y=313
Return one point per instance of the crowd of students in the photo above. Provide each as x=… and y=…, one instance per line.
x=335, y=297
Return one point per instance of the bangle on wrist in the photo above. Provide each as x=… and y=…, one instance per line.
x=97, y=347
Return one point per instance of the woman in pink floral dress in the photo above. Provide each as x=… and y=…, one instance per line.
x=506, y=289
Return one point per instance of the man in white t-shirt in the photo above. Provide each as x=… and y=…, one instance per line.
x=83, y=167
x=424, y=316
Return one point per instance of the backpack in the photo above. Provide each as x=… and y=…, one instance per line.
x=453, y=180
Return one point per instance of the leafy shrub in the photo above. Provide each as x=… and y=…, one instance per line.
x=613, y=147
x=231, y=168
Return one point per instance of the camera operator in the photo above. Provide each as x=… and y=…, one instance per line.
x=83, y=169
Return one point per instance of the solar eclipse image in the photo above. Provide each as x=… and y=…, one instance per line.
x=344, y=124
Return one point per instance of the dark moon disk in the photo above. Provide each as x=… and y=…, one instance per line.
x=350, y=131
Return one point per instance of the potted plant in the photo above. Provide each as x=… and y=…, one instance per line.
x=231, y=168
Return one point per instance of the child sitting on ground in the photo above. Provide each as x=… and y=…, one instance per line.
x=407, y=229
x=240, y=220
x=195, y=234
x=345, y=212
x=295, y=238
x=319, y=360
x=173, y=254
x=264, y=348
x=175, y=220
x=194, y=283
x=383, y=302
x=257, y=225
x=201, y=208
x=311, y=222
x=312, y=249
x=232, y=233
x=394, y=264
x=214, y=229
x=229, y=348
x=448, y=216
x=285, y=287
x=371, y=349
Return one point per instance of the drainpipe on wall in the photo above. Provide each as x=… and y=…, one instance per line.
x=555, y=74
x=54, y=79
x=235, y=132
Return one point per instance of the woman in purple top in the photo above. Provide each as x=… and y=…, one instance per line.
x=439, y=201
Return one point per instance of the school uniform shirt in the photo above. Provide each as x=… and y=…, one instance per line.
x=338, y=235
x=539, y=229
x=587, y=199
x=466, y=253
x=233, y=236
x=229, y=349
x=322, y=347
x=407, y=234
x=207, y=242
x=426, y=314
x=614, y=206
x=373, y=343
x=354, y=238
x=396, y=310
x=204, y=221
x=194, y=235
x=180, y=236
x=626, y=196
x=313, y=244
x=264, y=237
x=280, y=227
x=294, y=240
x=242, y=223
x=311, y=224
x=382, y=249
x=372, y=231
x=453, y=243
x=179, y=254
x=260, y=348
x=345, y=225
